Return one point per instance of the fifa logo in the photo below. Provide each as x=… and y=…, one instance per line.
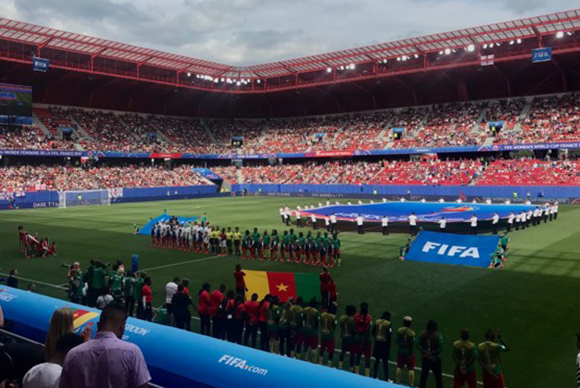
x=242, y=364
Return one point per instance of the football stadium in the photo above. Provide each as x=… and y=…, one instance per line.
x=398, y=214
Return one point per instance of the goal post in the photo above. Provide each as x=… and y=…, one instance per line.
x=83, y=198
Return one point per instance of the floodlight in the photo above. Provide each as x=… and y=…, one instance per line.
x=447, y=51
x=329, y=69
x=471, y=48
x=560, y=34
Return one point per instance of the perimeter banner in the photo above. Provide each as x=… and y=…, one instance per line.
x=447, y=248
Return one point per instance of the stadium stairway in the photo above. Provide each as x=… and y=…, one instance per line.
x=384, y=135
x=80, y=130
x=208, y=132
x=37, y=122
x=477, y=126
x=523, y=114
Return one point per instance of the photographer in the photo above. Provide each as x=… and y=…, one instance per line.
x=96, y=277
x=76, y=283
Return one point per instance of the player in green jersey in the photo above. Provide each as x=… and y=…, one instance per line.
x=382, y=333
x=346, y=325
x=291, y=245
x=273, y=319
x=246, y=243
x=296, y=322
x=116, y=283
x=405, y=355
x=311, y=325
x=335, y=251
x=274, y=244
x=505, y=242
x=300, y=248
x=327, y=330
x=284, y=327
x=139, y=282
x=284, y=245
x=490, y=360
x=430, y=344
x=129, y=292
x=464, y=355
x=265, y=246
x=256, y=243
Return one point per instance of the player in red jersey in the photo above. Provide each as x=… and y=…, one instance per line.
x=240, y=282
x=215, y=299
x=252, y=320
x=21, y=235
x=52, y=249
x=325, y=278
x=263, y=323
x=362, y=340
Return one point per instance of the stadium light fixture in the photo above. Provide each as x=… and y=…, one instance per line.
x=491, y=45
x=416, y=56
x=485, y=46
x=512, y=42
x=215, y=81
x=440, y=52
x=519, y=41
x=569, y=33
x=447, y=51
x=352, y=66
x=238, y=83
x=329, y=69
x=259, y=81
x=471, y=48
x=560, y=34
x=188, y=74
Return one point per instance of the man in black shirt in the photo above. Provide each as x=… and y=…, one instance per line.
x=181, y=302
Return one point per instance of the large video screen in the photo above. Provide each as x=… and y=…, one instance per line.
x=15, y=104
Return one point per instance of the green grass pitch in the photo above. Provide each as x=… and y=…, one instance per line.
x=533, y=301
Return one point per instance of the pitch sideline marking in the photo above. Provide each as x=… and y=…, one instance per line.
x=180, y=263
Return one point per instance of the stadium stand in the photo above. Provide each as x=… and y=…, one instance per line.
x=530, y=172
x=37, y=178
x=545, y=119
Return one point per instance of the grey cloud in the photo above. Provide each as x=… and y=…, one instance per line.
x=256, y=31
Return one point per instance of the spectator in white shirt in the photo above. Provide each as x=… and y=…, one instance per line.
x=47, y=375
x=104, y=299
x=495, y=222
x=327, y=223
x=332, y=223
x=384, y=200
x=298, y=218
x=510, y=221
x=282, y=215
x=488, y=201
x=423, y=200
x=385, y=225
x=360, y=224
x=170, y=290
x=413, y=224
x=473, y=221
x=442, y=224
x=313, y=220
x=403, y=199
x=441, y=200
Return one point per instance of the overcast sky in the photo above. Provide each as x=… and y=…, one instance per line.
x=244, y=32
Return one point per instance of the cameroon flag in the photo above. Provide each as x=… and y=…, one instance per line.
x=283, y=284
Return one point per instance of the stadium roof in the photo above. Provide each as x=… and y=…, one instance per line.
x=45, y=39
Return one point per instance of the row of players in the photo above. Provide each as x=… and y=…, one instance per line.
x=316, y=249
x=32, y=246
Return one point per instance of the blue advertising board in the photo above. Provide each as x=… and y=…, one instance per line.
x=178, y=358
x=543, y=54
x=318, y=154
x=40, y=64
x=457, y=249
